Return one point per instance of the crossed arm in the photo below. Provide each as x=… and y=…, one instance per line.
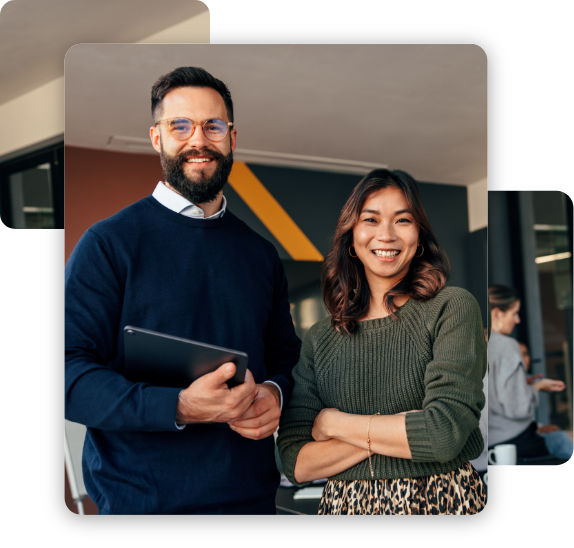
x=341, y=442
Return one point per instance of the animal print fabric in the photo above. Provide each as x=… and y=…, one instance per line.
x=459, y=492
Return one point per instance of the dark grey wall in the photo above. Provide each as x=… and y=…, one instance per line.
x=314, y=200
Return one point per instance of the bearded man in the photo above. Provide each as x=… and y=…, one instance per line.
x=179, y=262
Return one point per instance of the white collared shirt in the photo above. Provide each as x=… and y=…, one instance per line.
x=177, y=203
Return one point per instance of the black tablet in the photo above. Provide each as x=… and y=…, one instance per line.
x=164, y=360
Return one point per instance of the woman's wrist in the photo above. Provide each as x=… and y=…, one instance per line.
x=333, y=423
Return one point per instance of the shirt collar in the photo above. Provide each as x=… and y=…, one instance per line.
x=177, y=203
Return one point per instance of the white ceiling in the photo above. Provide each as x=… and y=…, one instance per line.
x=35, y=34
x=421, y=108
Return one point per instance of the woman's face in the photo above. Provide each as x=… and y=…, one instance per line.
x=504, y=322
x=386, y=235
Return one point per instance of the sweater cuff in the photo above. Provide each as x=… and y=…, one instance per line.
x=178, y=426
x=418, y=438
x=289, y=459
x=280, y=393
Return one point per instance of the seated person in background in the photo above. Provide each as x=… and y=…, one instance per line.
x=558, y=442
x=480, y=463
x=511, y=399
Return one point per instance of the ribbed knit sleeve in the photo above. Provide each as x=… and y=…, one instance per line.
x=297, y=420
x=453, y=380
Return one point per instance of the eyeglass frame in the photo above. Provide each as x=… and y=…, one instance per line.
x=202, y=124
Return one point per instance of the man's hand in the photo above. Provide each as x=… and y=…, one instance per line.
x=261, y=418
x=209, y=399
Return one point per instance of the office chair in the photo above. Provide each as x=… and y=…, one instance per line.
x=74, y=435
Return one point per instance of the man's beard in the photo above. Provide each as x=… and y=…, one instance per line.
x=203, y=188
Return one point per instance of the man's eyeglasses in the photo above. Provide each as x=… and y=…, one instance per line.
x=183, y=128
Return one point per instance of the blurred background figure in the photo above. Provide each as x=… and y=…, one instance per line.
x=481, y=462
x=513, y=396
x=530, y=237
x=557, y=441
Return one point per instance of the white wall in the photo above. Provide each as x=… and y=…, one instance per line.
x=38, y=115
x=33, y=117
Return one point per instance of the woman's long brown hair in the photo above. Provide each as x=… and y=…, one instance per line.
x=346, y=292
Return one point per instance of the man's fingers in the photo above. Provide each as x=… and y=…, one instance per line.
x=249, y=378
x=248, y=384
x=256, y=421
x=244, y=404
x=258, y=433
x=222, y=374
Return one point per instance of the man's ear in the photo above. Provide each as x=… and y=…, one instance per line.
x=155, y=138
x=233, y=134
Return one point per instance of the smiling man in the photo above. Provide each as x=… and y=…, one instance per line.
x=179, y=262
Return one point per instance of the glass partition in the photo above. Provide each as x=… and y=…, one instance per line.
x=554, y=265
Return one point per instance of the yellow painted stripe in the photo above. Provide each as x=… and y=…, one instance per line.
x=271, y=214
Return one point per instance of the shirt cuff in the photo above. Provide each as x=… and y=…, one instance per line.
x=280, y=393
x=179, y=426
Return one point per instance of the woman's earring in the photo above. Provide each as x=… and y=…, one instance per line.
x=422, y=250
x=352, y=246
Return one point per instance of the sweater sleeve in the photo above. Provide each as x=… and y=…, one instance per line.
x=297, y=420
x=453, y=383
x=95, y=394
x=517, y=398
x=282, y=346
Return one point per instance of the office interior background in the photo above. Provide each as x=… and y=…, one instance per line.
x=311, y=121
x=530, y=249
x=336, y=113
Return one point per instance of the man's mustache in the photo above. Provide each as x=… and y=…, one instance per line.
x=204, y=152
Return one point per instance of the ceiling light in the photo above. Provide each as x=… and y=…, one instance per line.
x=555, y=257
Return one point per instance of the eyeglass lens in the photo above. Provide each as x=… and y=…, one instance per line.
x=214, y=130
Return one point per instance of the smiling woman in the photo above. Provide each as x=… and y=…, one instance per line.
x=388, y=390
x=384, y=226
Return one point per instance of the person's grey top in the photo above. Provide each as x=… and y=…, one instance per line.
x=511, y=400
x=481, y=462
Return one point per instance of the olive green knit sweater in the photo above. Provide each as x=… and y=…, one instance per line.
x=433, y=358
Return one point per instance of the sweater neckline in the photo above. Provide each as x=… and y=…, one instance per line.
x=188, y=221
x=377, y=323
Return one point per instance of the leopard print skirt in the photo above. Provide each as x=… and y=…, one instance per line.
x=458, y=492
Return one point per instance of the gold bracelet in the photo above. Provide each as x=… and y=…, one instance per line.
x=369, y=443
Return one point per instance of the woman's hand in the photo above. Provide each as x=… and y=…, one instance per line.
x=533, y=378
x=411, y=411
x=549, y=385
x=323, y=424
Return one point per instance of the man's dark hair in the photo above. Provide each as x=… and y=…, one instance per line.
x=194, y=77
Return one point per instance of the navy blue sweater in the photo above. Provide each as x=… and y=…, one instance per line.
x=214, y=281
